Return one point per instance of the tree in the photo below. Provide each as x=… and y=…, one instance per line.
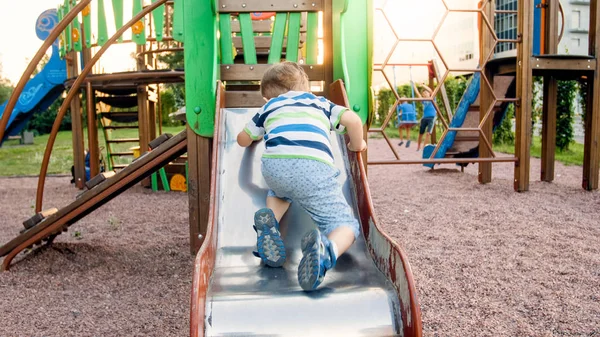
x=564, y=114
x=5, y=87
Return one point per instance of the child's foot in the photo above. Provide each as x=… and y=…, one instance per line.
x=400, y=144
x=269, y=244
x=317, y=257
x=407, y=143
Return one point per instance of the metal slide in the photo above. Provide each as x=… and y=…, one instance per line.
x=95, y=197
x=44, y=88
x=245, y=298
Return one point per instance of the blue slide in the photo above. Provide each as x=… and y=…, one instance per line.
x=468, y=98
x=44, y=88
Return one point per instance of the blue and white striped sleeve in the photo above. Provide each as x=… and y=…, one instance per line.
x=254, y=129
x=335, y=115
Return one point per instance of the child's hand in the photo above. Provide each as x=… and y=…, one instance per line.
x=363, y=146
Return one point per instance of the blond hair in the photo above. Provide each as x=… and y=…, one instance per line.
x=283, y=77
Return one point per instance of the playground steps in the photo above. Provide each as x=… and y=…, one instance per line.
x=467, y=141
x=102, y=189
x=126, y=106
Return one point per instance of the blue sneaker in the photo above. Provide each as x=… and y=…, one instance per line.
x=269, y=244
x=317, y=258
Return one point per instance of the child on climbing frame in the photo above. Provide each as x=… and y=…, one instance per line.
x=298, y=166
x=427, y=121
x=406, y=119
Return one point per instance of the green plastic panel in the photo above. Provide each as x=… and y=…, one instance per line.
x=293, y=40
x=77, y=34
x=277, y=38
x=164, y=180
x=68, y=45
x=312, y=38
x=200, y=54
x=226, y=41
x=87, y=25
x=62, y=37
x=247, y=38
x=352, y=51
x=118, y=13
x=102, y=26
x=139, y=36
x=158, y=16
x=178, y=18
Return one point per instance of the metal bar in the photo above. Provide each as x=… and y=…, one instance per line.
x=463, y=129
x=505, y=12
x=445, y=161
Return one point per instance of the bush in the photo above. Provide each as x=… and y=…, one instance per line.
x=41, y=123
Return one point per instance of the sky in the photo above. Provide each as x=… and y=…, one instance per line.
x=16, y=49
x=409, y=18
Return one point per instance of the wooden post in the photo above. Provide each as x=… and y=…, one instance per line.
x=77, y=128
x=523, y=106
x=591, y=151
x=92, y=127
x=199, y=158
x=143, y=125
x=486, y=99
x=549, y=46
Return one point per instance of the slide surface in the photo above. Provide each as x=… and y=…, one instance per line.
x=97, y=196
x=44, y=88
x=244, y=298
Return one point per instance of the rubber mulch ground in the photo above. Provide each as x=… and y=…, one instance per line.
x=487, y=261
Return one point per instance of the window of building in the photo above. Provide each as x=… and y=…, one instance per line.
x=575, y=19
x=575, y=42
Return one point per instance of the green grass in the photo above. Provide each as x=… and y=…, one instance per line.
x=22, y=160
x=572, y=156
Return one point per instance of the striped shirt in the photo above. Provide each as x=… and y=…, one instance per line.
x=297, y=125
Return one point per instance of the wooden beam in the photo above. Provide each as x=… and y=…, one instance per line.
x=248, y=6
x=523, y=107
x=486, y=99
x=143, y=120
x=77, y=128
x=199, y=154
x=550, y=46
x=244, y=72
x=199, y=178
x=549, y=128
x=591, y=149
x=563, y=63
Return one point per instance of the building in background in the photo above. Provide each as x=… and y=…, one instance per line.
x=575, y=36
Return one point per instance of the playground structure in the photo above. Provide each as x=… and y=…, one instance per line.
x=222, y=178
x=466, y=136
